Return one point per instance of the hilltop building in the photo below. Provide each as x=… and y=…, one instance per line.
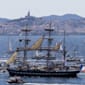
x=28, y=14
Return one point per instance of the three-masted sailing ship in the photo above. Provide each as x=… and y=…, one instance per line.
x=50, y=68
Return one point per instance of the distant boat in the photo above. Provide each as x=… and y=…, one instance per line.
x=15, y=79
x=39, y=56
x=10, y=49
x=10, y=46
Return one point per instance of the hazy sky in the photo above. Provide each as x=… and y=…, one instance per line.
x=19, y=8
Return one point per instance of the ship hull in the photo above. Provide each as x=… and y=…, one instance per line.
x=43, y=73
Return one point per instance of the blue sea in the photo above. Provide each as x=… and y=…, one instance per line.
x=73, y=42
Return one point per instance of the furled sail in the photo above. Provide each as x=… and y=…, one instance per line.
x=57, y=47
x=12, y=58
x=37, y=44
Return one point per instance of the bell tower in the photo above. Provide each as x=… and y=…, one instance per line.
x=28, y=14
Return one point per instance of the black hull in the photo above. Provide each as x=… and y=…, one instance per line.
x=43, y=73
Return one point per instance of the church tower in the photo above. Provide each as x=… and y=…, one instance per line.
x=28, y=14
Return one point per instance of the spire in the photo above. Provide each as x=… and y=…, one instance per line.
x=28, y=14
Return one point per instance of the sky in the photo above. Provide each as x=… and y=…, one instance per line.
x=18, y=8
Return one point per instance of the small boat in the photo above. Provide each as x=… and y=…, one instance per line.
x=10, y=49
x=74, y=59
x=15, y=80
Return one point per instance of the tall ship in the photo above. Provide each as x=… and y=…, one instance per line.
x=45, y=65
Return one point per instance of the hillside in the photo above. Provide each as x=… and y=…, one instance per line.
x=73, y=24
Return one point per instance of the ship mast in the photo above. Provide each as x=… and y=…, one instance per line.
x=64, y=48
x=49, y=44
x=26, y=41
